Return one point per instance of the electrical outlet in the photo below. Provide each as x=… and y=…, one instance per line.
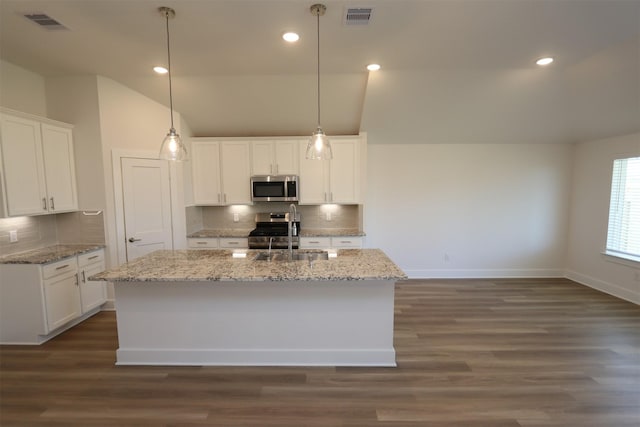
x=328, y=216
x=13, y=236
x=236, y=217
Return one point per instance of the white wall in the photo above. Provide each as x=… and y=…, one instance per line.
x=22, y=90
x=470, y=210
x=589, y=217
x=131, y=122
x=75, y=100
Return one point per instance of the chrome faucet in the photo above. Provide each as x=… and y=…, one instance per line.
x=292, y=229
x=270, y=241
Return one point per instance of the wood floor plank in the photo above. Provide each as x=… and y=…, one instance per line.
x=472, y=353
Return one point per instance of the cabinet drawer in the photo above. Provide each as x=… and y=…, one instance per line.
x=315, y=242
x=90, y=258
x=227, y=243
x=346, y=242
x=60, y=267
x=211, y=243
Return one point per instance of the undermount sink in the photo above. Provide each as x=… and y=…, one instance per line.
x=297, y=256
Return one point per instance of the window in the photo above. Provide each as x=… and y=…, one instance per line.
x=623, y=237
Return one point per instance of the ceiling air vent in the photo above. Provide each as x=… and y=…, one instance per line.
x=44, y=21
x=357, y=15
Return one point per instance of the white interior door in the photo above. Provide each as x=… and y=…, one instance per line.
x=147, y=206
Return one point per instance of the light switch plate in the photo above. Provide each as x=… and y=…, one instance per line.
x=13, y=236
x=236, y=217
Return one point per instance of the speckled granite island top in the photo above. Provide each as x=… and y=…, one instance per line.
x=48, y=254
x=220, y=265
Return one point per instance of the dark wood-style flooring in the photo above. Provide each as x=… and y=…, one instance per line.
x=495, y=353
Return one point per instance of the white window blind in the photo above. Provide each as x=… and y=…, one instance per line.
x=623, y=237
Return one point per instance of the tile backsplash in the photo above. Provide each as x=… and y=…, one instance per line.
x=322, y=216
x=45, y=230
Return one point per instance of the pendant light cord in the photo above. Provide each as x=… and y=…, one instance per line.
x=318, y=21
x=169, y=69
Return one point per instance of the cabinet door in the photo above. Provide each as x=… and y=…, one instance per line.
x=236, y=172
x=313, y=178
x=261, y=158
x=57, y=149
x=286, y=157
x=62, y=300
x=22, y=166
x=344, y=175
x=205, y=162
x=92, y=293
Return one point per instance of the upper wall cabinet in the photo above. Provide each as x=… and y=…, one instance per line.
x=38, y=170
x=332, y=181
x=275, y=157
x=221, y=172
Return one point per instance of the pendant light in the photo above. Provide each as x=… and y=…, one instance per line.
x=318, y=147
x=172, y=147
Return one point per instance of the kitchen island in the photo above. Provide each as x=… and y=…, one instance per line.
x=217, y=307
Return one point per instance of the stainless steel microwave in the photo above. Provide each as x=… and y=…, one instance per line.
x=274, y=188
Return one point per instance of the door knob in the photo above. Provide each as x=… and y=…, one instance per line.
x=132, y=239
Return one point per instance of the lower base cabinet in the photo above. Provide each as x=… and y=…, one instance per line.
x=37, y=302
x=218, y=243
x=335, y=242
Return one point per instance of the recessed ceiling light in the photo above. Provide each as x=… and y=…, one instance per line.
x=373, y=67
x=160, y=70
x=544, y=61
x=290, y=37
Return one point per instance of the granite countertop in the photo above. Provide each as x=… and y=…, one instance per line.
x=220, y=232
x=48, y=254
x=304, y=232
x=330, y=232
x=220, y=265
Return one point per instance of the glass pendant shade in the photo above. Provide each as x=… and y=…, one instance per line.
x=318, y=147
x=172, y=147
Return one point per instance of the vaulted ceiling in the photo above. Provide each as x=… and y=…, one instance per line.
x=446, y=64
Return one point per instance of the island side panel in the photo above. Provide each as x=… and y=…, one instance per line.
x=304, y=323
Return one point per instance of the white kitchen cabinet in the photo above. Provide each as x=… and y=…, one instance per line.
x=93, y=293
x=315, y=242
x=61, y=293
x=218, y=243
x=346, y=242
x=275, y=157
x=40, y=301
x=333, y=242
x=332, y=181
x=233, y=242
x=38, y=170
x=221, y=171
x=203, y=243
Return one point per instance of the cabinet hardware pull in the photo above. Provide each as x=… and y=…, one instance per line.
x=84, y=278
x=93, y=257
x=218, y=197
x=53, y=206
x=133, y=239
x=202, y=243
x=62, y=266
x=77, y=284
x=232, y=243
x=313, y=241
x=44, y=203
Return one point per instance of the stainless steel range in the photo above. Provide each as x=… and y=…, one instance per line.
x=272, y=229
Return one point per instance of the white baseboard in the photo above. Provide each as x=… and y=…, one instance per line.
x=259, y=357
x=606, y=287
x=483, y=273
